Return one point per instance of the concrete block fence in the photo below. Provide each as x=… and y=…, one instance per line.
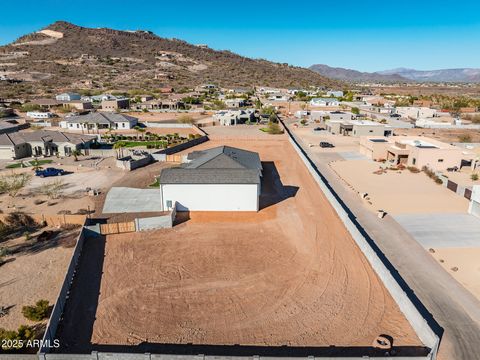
x=413, y=315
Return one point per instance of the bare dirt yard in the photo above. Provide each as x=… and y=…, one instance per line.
x=398, y=192
x=71, y=196
x=34, y=269
x=287, y=275
x=463, y=264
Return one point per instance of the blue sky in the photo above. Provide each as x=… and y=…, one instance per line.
x=365, y=35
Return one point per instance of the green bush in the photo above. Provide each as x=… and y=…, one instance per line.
x=23, y=333
x=474, y=177
x=38, y=312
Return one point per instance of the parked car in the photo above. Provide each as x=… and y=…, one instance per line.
x=324, y=144
x=49, y=172
x=318, y=129
x=395, y=115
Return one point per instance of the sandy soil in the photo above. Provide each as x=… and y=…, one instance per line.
x=81, y=175
x=34, y=271
x=398, y=192
x=468, y=264
x=463, y=177
x=290, y=274
x=166, y=116
x=445, y=135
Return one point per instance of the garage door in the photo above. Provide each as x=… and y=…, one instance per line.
x=211, y=197
x=6, y=153
x=475, y=210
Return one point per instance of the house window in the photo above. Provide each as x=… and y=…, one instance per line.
x=78, y=125
x=440, y=160
x=123, y=124
x=169, y=204
x=414, y=161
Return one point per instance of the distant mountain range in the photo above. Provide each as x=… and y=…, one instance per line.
x=463, y=75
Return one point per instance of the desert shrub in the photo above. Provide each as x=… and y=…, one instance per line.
x=23, y=333
x=20, y=220
x=401, y=167
x=438, y=180
x=413, y=169
x=465, y=138
x=38, y=312
x=38, y=202
x=474, y=177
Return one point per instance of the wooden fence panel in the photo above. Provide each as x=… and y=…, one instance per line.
x=117, y=228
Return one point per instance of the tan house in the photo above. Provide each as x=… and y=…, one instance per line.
x=415, y=151
x=357, y=128
x=42, y=143
x=115, y=104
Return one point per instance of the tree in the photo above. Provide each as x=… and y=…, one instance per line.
x=185, y=119
x=53, y=189
x=13, y=183
x=76, y=153
x=37, y=312
x=119, y=145
x=355, y=110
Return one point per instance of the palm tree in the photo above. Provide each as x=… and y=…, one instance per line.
x=76, y=153
x=119, y=145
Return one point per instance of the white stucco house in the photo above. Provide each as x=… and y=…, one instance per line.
x=324, y=102
x=68, y=97
x=99, y=120
x=218, y=179
x=474, y=207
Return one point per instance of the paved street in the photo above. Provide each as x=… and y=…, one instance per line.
x=452, y=306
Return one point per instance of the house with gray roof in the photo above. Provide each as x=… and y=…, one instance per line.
x=223, y=178
x=99, y=120
x=23, y=144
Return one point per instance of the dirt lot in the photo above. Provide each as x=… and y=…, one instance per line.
x=463, y=264
x=33, y=271
x=398, y=192
x=445, y=135
x=72, y=197
x=288, y=275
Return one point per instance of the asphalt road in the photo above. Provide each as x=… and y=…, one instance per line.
x=455, y=309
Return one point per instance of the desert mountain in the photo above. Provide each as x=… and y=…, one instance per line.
x=400, y=75
x=354, y=76
x=462, y=75
x=67, y=56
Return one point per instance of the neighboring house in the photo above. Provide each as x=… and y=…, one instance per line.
x=324, y=102
x=234, y=117
x=115, y=104
x=358, y=128
x=40, y=115
x=47, y=103
x=159, y=105
x=235, y=103
x=18, y=145
x=78, y=105
x=474, y=207
x=415, y=151
x=335, y=93
x=413, y=112
x=218, y=179
x=144, y=98
x=279, y=97
x=99, y=120
x=340, y=115
x=68, y=97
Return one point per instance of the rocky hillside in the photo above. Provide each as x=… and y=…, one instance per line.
x=66, y=56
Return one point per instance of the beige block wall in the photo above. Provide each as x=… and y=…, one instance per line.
x=430, y=158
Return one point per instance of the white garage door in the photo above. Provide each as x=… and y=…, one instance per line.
x=475, y=209
x=211, y=197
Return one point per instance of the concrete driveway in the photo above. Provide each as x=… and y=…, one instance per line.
x=442, y=230
x=129, y=200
